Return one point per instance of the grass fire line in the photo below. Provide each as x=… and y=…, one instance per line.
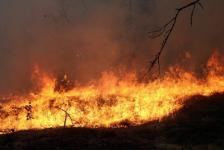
x=109, y=102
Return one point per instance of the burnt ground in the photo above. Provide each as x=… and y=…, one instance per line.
x=198, y=125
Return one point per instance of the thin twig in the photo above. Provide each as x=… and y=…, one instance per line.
x=67, y=115
x=192, y=14
x=167, y=30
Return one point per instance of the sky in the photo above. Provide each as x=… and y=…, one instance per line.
x=83, y=38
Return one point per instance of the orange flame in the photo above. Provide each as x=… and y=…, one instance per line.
x=109, y=101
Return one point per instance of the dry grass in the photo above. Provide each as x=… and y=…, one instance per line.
x=198, y=126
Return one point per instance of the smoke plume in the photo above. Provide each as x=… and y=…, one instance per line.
x=83, y=38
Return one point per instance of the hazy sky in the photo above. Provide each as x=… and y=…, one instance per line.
x=85, y=37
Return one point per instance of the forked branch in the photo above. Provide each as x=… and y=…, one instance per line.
x=167, y=29
x=67, y=115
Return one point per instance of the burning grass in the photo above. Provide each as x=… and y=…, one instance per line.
x=198, y=125
x=109, y=102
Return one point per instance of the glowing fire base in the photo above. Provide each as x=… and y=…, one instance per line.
x=109, y=101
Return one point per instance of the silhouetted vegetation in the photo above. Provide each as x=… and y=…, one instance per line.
x=198, y=125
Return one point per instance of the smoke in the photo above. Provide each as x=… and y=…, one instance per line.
x=83, y=38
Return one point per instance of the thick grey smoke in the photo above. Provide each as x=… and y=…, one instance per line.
x=85, y=37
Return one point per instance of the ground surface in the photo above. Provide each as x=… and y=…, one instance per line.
x=198, y=126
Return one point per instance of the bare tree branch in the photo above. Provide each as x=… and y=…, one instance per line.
x=167, y=29
x=67, y=115
x=192, y=14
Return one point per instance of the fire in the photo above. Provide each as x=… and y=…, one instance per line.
x=109, y=102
